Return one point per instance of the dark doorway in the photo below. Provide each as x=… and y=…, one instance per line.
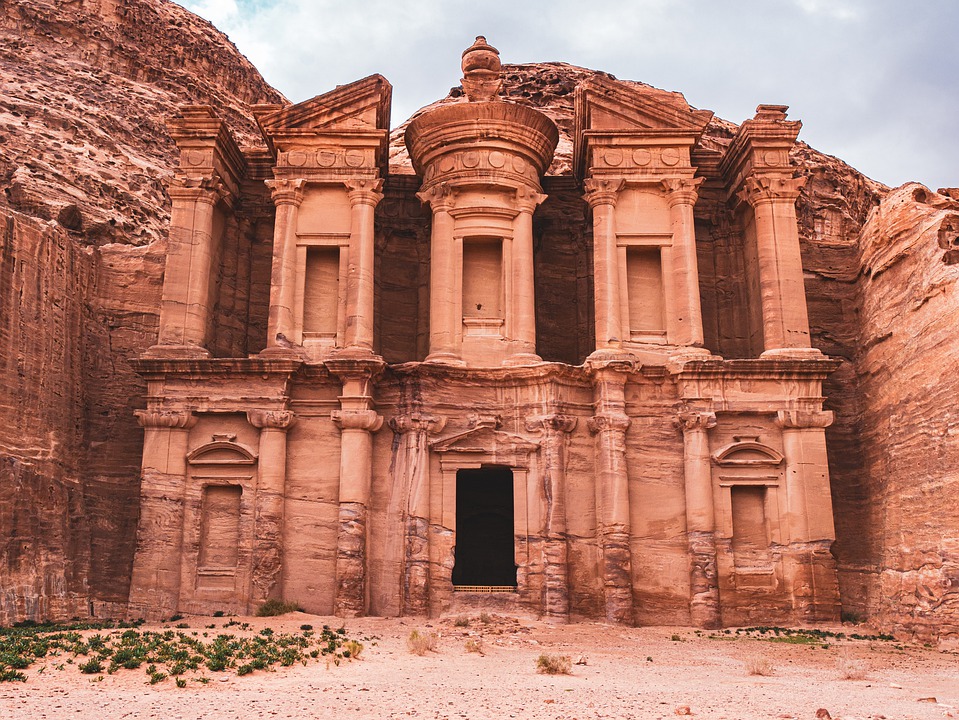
x=484, y=527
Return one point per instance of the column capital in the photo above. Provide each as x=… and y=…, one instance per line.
x=682, y=191
x=286, y=191
x=180, y=419
x=441, y=197
x=608, y=422
x=527, y=199
x=602, y=191
x=206, y=189
x=364, y=191
x=271, y=419
x=690, y=420
x=417, y=422
x=555, y=422
x=357, y=420
x=804, y=419
x=759, y=189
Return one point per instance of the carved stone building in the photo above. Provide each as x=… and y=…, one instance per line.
x=483, y=381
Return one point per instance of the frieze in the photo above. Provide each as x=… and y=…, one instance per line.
x=504, y=163
x=327, y=158
x=642, y=159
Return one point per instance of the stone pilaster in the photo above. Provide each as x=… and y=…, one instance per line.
x=601, y=194
x=414, y=430
x=704, y=607
x=155, y=583
x=811, y=568
x=281, y=327
x=684, y=316
x=782, y=292
x=364, y=194
x=267, y=574
x=357, y=421
x=444, y=322
x=186, y=304
x=555, y=566
x=523, y=330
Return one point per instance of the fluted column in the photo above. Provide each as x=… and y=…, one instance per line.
x=601, y=195
x=414, y=430
x=444, y=322
x=523, y=347
x=684, y=316
x=186, y=303
x=364, y=194
x=782, y=292
x=287, y=195
x=267, y=575
x=555, y=566
x=155, y=582
x=704, y=608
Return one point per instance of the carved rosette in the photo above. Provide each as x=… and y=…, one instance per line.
x=682, y=191
x=603, y=191
x=179, y=419
x=286, y=191
x=608, y=422
x=271, y=419
x=804, y=419
x=759, y=189
x=367, y=420
x=364, y=191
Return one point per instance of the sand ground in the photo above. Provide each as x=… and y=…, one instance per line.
x=629, y=673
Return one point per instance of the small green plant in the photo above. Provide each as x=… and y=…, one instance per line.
x=157, y=677
x=219, y=613
x=676, y=638
x=244, y=669
x=10, y=675
x=91, y=666
x=306, y=627
x=554, y=664
x=421, y=643
x=175, y=618
x=352, y=649
x=180, y=683
x=271, y=608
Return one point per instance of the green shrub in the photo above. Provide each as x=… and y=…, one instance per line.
x=272, y=608
x=91, y=666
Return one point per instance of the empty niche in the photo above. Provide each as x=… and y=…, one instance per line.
x=321, y=291
x=750, y=535
x=482, y=278
x=644, y=276
x=220, y=527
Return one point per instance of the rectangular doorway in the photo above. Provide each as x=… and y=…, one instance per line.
x=485, y=556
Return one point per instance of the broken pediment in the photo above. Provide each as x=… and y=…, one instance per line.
x=221, y=452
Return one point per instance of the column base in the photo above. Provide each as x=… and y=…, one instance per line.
x=797, y=353
x=276, y=352
x=445, y=358
x=519, y=359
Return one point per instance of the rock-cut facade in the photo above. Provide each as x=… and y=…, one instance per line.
x=575, y=383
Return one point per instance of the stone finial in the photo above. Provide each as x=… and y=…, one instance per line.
x=481, y=71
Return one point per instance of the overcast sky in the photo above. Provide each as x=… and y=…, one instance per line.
x=875, y=82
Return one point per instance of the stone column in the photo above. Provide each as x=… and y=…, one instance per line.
x=601, y=195
x=684, y=322
x=523, y=347
x=609, y=425
x=810, y=569
x=267, y=575
x=364, y=194
x=155, y=583
x=556, y=587
x=704, y=608
x=357, y=422
x=444, y=323
x=414, y=430
x=782, y=292
x=287, y=195
x=186, y=304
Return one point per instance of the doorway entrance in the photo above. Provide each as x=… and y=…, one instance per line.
x=485, y=555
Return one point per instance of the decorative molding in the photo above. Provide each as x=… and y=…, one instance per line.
x=691, y=420
x=271, y=419
x=758, y=189
x=555, y=422
x=602, y=191
x=286, y=191
x=179, y=419
x=417, y=422
x=804, y=419
x=367, y=420
x=608, y=422
x=364, y=191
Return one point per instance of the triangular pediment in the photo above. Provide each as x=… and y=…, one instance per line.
x=610, y=105
x=483, y=440
x=359, y=106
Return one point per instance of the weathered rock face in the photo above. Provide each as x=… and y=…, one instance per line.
x=86, y=90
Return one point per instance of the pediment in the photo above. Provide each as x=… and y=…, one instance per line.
x=360, y=106
x=747, y=453
x=221, y=452
x=484, y=440
x=610, y=105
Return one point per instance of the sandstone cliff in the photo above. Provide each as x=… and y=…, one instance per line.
x=85, y=89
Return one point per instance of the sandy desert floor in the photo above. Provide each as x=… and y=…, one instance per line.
x=628, y=673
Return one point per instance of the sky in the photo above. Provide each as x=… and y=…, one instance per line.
x=875, y=82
